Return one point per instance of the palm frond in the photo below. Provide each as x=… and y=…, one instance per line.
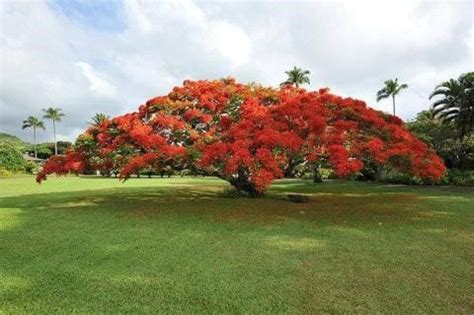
x=456, y=103
x=383, y=93
x=391, y=88
x=297, y=76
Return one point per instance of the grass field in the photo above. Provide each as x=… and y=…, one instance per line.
x=178, y=246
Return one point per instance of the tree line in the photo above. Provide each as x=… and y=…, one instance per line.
x=446, y=126
x=51, y=113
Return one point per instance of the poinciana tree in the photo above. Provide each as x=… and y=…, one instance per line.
x=246, y=134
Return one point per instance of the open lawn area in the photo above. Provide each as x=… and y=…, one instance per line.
x=178, y=245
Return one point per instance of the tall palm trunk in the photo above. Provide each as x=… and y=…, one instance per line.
x=55, y=143
x=393, y=101
x=34, y=141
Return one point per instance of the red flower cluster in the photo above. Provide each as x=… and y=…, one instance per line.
x=72, y=162
x=248, y=135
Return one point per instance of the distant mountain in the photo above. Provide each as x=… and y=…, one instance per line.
x=44, y=150
x=8, y=138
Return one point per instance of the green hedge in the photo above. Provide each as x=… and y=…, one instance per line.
x=453, y=176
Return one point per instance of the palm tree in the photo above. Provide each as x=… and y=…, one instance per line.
x=456, y=104
x=55, y=115
x=33, y=122
x=98, y=119
x=297, y=76
x=391, y=88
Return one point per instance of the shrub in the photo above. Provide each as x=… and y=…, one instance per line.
x=460, y=177
x=46, y=150
x=404, y=179
x=4, y=172
x=453, y=176
x=30, y=167
x=327, y=173
x=369, y=172
x=11, y=158
x=43, y=151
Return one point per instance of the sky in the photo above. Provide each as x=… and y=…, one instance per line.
x=88, y=56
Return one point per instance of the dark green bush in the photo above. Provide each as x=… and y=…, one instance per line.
x=11, y=158
x=453, y=176
x=459, y=177
x=30, y=167
x=369, y=172
x=404, y=179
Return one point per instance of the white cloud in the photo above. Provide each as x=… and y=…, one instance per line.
x=48, y=58
x=137, y=17
x=230, y=41
x=98, y=84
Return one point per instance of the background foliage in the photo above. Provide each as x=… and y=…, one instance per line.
x=11, y=157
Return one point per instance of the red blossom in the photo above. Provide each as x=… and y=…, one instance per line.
x=247, y=134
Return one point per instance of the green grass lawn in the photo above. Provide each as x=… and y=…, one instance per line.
x=176, y=245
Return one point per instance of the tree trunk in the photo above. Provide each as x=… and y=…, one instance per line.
x=317, y=178
x=289, y=171
x=246, y=186
x=378, y=173
x=34, y=142
x=242, y=183
x=393, y=101
x=55, y=143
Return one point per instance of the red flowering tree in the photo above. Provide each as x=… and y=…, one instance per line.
x=247, y=135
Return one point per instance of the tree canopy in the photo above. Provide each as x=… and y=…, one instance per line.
x=52, y=113
x=55, y=115
x=245, y=134
x=98, y=119
x=33, y=122
x=391, y=89
x=444, y=139
x=297, y=76
x=455, y=103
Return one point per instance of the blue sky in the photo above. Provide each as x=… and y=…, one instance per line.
x=101, y=15
x=111, y=56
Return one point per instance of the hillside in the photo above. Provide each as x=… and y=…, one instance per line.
x=8, y=138
x=44, y=149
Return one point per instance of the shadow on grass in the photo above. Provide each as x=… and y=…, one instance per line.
x=336, y=204
x=90, y=251
x=358, y=187
x=187, y=249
